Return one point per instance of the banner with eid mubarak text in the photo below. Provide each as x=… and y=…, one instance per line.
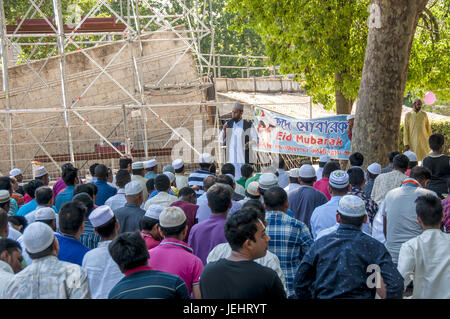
x=310, y=137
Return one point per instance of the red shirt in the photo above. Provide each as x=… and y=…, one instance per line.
x=322, y=185
x=190, y=210
x=27, y=198
x=149, y=240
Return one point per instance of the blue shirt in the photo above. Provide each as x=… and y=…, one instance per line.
x=289, y=240
x=304, y=200
x=104, y=192
x=144, y=283
x=70, y=249
x=63, y=197
x=27, y=208
x=336, y=266
x=150, y=175
x=324, y=217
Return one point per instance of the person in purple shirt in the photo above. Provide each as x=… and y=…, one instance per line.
x=206, y=235
x=187, y=201
x=71, y=226
x=104, y=190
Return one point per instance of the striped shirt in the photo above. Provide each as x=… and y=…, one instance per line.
x=145, y=283
x=197, y=177
x=289, y=240
x=89, y=238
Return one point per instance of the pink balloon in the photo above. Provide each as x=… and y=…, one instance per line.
x=429, y=98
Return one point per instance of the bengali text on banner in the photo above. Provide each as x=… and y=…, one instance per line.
x=305, y=137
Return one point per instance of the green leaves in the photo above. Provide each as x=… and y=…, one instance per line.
x=317, y=39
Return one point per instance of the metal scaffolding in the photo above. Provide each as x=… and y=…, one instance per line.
x=131, y=23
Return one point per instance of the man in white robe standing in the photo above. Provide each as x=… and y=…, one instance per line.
x=239, y=135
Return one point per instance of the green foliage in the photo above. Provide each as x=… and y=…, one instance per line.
x=231, y=42
x=430, y=59
x=442, y=127
x=316, y=39
x=313, y=39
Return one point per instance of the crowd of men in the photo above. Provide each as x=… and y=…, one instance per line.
x=302, y=233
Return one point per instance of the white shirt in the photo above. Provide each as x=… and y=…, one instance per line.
x=143, y=181
x=30, y=217
x=163, y=199
x=181, y=181
x=378, y=225
x=13, y=233
x=235, y=146
x=6, y=274
x=319, y=173
x=270, y=260
x=426, y=260
x=292, y=187
x=48, y=278
x=103, y=273
x=118, y=200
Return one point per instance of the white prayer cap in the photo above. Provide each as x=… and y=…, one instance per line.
x=238, y=106
x=324, y=158
x=411, y=156
x=101, y=215
x=44, y=213
x=268, y=180
x=307, y=171
x=40, y=171
x=205, y=158
x=37, y=237
x=170, y=175
x=374, y=169
x=351, y=116
x=151, y=163
x=137, y=165
x=169, y=168
x=4, y=196
x=294, y=172
x=339, y=179
x=351, y=206
x=172, y=217
x=14, y=172
x=252, y=188
x=154, y=211
x=178, y=163
x=133, y=188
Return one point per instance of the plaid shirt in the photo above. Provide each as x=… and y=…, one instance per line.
x=371, y=206
x=446, y=221
x=289, y=240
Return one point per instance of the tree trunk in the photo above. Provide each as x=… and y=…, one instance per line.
x=343, y=105
x=383, y=80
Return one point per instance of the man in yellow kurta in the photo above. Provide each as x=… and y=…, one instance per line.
x=417, y=131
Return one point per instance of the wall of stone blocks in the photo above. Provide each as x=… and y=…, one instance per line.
x=27, y=91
